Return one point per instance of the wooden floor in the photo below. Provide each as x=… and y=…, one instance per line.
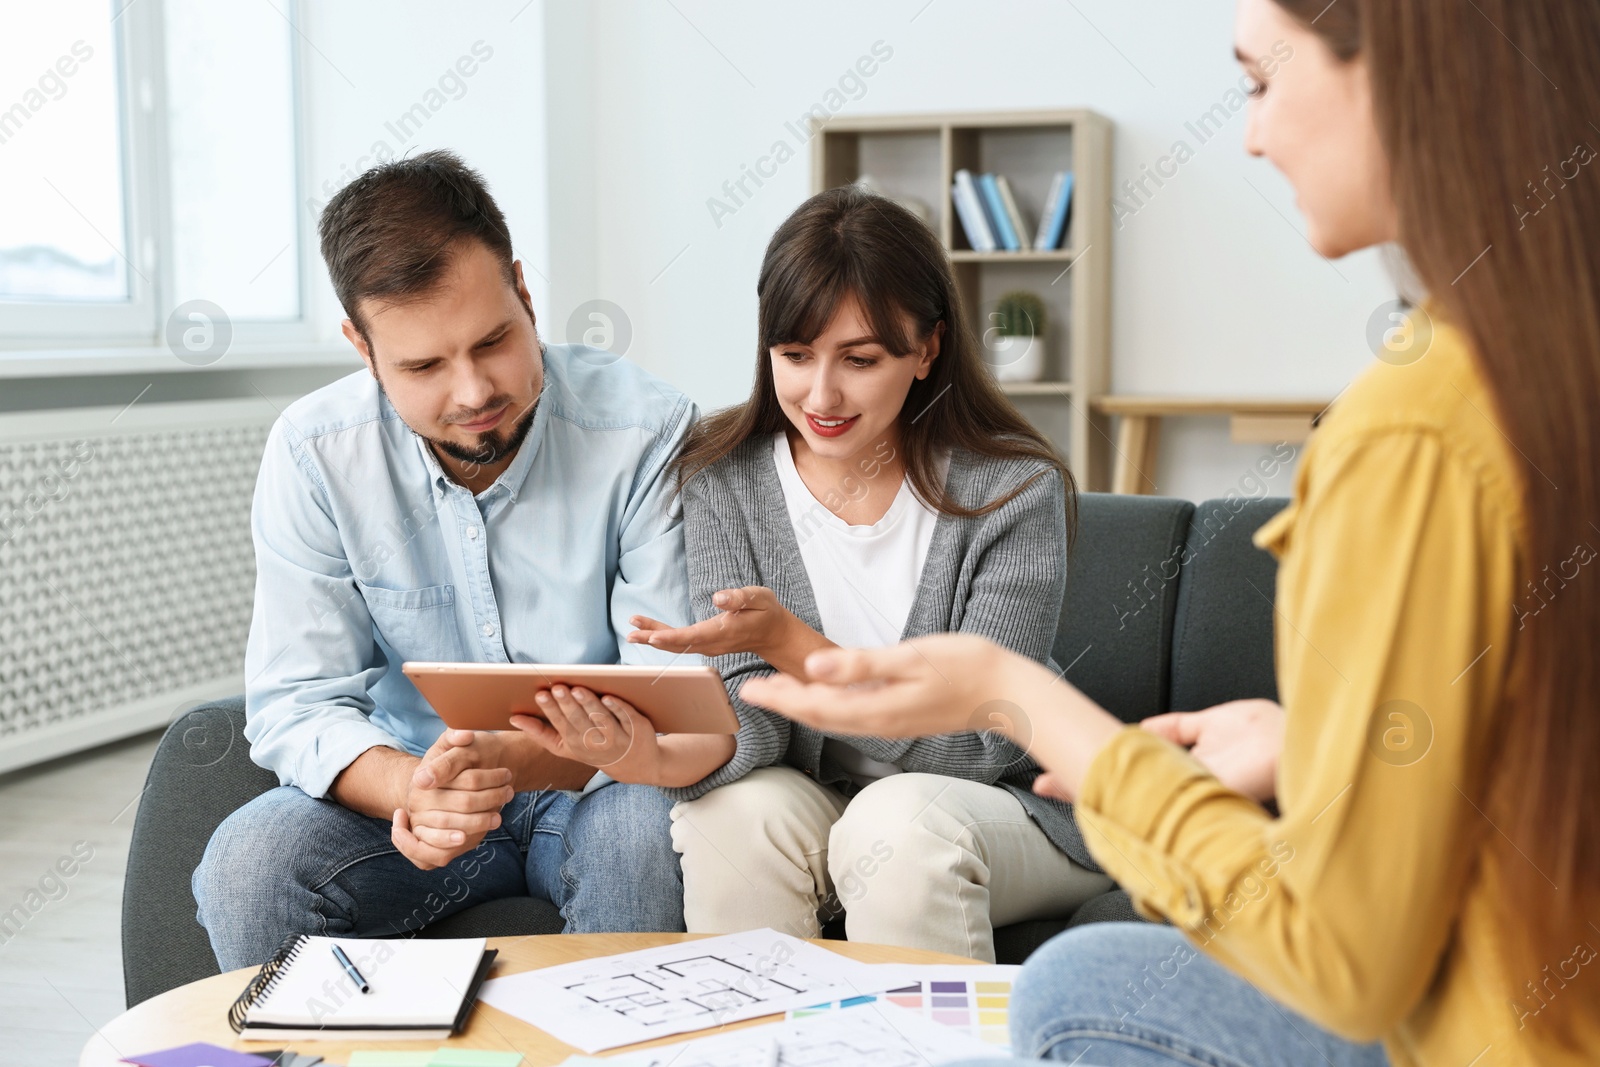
x=61, y=975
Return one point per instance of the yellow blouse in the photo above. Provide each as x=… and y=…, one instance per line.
x=1364, y=906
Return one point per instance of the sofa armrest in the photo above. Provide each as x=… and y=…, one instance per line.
x=200, y=774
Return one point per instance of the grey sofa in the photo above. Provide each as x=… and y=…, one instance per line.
x=1168, y=607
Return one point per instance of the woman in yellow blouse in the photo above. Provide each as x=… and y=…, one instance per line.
x=1431, y=882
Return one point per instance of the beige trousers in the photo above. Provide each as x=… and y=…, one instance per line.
x=916, y=860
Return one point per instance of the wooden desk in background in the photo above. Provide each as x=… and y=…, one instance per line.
x=1251, y=420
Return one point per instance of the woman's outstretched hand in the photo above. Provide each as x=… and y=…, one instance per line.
x=928, y=685
x=750, y=619
x=940, y=684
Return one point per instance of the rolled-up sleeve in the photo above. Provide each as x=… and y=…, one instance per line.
x=311, y=655
x=1394, y=633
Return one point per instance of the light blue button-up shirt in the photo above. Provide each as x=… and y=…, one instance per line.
x=369, y=555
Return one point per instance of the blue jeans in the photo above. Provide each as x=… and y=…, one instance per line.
x=287, y=863
x=1136, y=995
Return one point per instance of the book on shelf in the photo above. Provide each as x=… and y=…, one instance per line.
x=1013, y=213
x=1057, y=212
x=1041, y=237
x=969, y=206
x=997, y=213
x=993, y=221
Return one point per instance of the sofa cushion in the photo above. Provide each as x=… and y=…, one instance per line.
x=1222, y=632
x=1114, y=638
x=517, y=916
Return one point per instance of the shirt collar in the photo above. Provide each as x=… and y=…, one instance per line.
x=514, y=477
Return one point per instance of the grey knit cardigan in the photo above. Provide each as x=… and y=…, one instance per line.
x=1001, y=575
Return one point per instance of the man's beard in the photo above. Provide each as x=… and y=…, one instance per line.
x=492, y=446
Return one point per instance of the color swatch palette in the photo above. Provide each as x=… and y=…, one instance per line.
x=976, y=1000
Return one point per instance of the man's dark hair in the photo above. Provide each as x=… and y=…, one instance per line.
x=390, y=234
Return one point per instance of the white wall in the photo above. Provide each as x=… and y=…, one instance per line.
x=1215, y=291
x=604, y=126
x=369, y=62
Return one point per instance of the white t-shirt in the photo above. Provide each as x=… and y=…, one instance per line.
x=863, y=578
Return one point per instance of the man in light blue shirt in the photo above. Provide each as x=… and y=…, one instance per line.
x=473, y=495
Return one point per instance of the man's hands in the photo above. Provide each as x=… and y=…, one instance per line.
x=1239, y=742
x=453, y=798
x=602, y=731
x=749, y=620
x=443, y=804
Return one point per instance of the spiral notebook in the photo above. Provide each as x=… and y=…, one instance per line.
x=418, y=990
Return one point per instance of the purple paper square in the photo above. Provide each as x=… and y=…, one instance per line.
x=199, y=1054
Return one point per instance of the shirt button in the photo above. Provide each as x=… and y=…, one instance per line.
x=472, y=533
x=488, y=629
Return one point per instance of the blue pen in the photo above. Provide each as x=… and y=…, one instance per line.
x=350, y=969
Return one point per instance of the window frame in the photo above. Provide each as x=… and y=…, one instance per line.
x=35, y=334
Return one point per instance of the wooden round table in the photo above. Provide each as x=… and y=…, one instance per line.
x=199, y=1011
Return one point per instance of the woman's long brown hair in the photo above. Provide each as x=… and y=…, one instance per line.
x=1487, y=111
x=849, y=242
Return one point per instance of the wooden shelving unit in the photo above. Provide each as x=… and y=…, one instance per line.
x=916, y=156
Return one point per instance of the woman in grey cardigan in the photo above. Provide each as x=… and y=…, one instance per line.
x=876, y=485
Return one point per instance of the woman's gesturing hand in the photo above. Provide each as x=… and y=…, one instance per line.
x=929, y=685
x=941, y=684
x=750, y=619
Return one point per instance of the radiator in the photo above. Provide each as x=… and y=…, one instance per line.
x=126, y=569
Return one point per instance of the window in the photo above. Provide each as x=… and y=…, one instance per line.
x=149, y=163
x=65, y=231
x=231, y=143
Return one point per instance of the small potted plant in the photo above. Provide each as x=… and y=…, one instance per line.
x=1014, y=342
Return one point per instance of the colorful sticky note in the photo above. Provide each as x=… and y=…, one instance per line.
x=198, y=1054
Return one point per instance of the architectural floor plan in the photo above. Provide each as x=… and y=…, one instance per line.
x=674, y=989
